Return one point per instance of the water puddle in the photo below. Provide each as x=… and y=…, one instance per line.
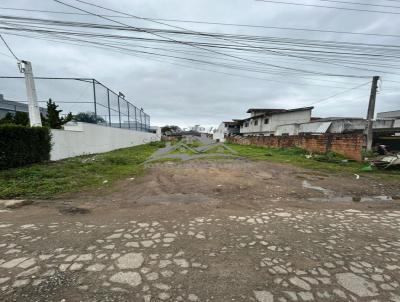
x=330, y=196
x=352, y=199
x=307, y=185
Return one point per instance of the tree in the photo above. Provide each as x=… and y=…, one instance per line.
x=53, y=119
x=88, y=117
x=168, y=130
x=19, y=118
x=7, y=119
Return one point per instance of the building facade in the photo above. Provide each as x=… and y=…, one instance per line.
x=225, y=129
x=12, y=107
x=264, y=122
x=389, y=115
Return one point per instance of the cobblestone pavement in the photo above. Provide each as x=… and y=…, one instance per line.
x=328, y=255
x=267, y=250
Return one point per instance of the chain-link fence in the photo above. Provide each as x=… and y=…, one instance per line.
x=87, y=99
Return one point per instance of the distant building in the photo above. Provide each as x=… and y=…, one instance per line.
x=334, y=125
x=12, y=107
x=264, y=122
x=197, y=128
x=225, y=129
x=287, y=122
x=389, y=115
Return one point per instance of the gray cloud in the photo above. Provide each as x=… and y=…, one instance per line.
x=173, y=94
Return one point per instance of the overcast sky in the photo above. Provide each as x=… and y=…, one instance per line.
x=174, y=94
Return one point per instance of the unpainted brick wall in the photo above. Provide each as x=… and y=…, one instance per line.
x=348, y=145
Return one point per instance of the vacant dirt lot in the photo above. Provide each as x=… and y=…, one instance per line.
x=208, y=230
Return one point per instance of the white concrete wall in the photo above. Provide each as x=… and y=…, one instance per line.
x=83, y=138
x=292, y=129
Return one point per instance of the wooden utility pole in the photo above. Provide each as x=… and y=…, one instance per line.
x=371, y=113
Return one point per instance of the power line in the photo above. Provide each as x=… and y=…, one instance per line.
x=9, y=48
x=120, y=50
x=208, y=22
x=227, y=39
x=331, y=7
x=354, y=53
x=343, y=92
x=359, y=3
x=189, y=44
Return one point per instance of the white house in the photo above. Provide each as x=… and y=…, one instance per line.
x=264, y=122
x=226, y=128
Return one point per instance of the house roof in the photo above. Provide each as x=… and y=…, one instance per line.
x=276, y=111
x=234, y=122
x=335, y=118
x=268, y=112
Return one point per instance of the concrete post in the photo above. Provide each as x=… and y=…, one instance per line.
x=34, y=112
x=371, y=113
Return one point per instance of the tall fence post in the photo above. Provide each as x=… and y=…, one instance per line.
x=119, y=112
x=94, y=99
x=129, y=119
x=109, y=107
x=135, y=118
x=141, y=120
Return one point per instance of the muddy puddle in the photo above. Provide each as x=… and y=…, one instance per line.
x=330, y=196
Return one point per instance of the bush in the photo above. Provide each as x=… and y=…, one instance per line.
x=158, y=144
x=21, y=145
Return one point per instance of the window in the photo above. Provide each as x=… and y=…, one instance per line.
x=246, y=125
x=266, y=121
x=255, y=122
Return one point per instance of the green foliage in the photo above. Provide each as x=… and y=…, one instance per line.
x=369, y=154
x=53, y=119
x=88, y=117
x=296, y=157
x=21, y=145
x=331, y=157
x=7, y=119
x=158, y=144
x=19, y=118
x=70, y=175
x=168, y=130
x=194, y=144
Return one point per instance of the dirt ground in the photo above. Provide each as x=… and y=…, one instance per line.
x=208, y=230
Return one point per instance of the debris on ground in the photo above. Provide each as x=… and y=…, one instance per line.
x=387, y=161
x=14, y=203
x=368, y=168
x=73, y=210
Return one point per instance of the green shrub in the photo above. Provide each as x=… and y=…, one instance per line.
x=22, y=145
x=158, y=144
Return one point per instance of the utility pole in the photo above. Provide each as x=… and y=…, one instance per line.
x=25, y=67
x=371, y=113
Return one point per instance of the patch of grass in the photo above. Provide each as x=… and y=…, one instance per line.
x=330, y=162
x=182, y=151
x=70, y=175
x=165, y=160
x=218, y=150
x=195, y=144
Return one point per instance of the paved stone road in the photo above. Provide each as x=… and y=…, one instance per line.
x=272, y=255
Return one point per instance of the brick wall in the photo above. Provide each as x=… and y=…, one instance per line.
x=349, y=145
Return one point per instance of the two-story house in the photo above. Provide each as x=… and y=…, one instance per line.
x=264, y=122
